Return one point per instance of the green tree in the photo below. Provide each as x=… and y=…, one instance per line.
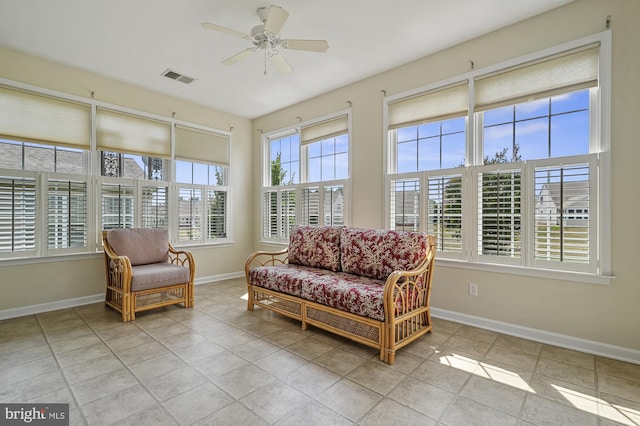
x=278, y=174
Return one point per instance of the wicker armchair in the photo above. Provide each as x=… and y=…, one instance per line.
x=144, y=271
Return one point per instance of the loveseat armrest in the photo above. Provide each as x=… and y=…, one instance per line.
x=407, y=298
x=266, y=258
x=262, y=258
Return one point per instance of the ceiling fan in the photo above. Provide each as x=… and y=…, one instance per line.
x=267, y=37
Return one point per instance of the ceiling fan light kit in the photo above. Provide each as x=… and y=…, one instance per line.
x=266, y=36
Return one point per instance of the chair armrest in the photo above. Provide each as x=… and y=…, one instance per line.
x=118, y=270
x=266, y=258
x=182, y=258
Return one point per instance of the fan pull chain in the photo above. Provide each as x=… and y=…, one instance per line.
x=265, y=61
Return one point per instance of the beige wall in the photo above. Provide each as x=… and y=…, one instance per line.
x=23, y=285
x=606, y=314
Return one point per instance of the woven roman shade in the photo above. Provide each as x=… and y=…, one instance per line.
x=41, y=119
x=435, y=105
x=324, y=129
x=566, y=72
x=202, y=146
x=121, y=132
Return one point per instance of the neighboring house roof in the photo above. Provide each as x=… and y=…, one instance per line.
x=574, y=194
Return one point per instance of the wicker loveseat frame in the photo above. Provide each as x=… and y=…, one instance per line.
x=299, y=283
x=144, y=271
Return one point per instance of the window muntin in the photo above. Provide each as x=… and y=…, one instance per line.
x=328, y=159
x=556, y=126
x=285, y=160
x=430, y=146
x=200, y=173
x=18, y=155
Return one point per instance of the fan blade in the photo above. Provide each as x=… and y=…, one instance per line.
x=239, y=56
x=275, y=19
x=280, y=62
x=308, y=45
x=215, y=27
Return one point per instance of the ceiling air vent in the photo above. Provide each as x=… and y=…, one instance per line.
x=177, y=76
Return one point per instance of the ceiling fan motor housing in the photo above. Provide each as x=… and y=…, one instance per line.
x=262, y=38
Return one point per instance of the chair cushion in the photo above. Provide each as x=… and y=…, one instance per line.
x=377, y=253
x=155, y=275
x=316, y=246
x=141, y=245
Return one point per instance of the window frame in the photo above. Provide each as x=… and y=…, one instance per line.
x=599, y=156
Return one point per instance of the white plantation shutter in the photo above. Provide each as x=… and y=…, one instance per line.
x=117, y=204
x=287, y=211
x=436, y=105
x=334, y=205
x=565, y=213
x=17, y=214
x=217, y=213
x=190, y=214
x=67, y=203
x=154, y=203
x=310, y=206
x=566, y=72
x=405, y=204
x=500, y=216
x=445, y=212
x=270, y=214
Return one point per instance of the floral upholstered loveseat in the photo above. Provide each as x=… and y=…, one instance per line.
x=372, y=286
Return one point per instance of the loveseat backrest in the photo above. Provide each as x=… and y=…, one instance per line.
x=141, y=245
x=377, y=253
x=315, y=246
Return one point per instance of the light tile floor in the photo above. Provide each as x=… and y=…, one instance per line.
x=221, y=364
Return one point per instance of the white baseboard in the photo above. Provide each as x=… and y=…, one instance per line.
x=555, y=339
x=50, y=306
x=220, y=277
x=96, y=298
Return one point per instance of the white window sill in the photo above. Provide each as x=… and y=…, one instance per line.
x=527, y=272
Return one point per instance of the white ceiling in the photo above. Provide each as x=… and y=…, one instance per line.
x=137, y=40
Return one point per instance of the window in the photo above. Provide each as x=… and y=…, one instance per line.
x=306, y=172
x=57, y=190
x=517, y=181
x=202, y=160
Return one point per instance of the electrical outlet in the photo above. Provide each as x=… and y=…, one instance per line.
x=473, y=289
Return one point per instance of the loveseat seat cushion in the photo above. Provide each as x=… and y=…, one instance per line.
x=141, y=245
x=376, y=253
x=316, y=246
x=350, y=293
x=155, y=275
